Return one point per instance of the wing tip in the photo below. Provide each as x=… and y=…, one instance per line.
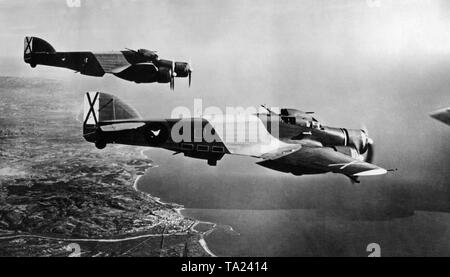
x=371, y=172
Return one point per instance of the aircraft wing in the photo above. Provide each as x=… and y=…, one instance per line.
x=281, y=152
x=442, y=115
x=322, y=159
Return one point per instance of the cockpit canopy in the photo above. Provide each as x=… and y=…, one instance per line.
x=290, y=112
x=301, y=118
x=148, y=53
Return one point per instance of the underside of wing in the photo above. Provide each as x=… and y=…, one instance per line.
x=313, y=160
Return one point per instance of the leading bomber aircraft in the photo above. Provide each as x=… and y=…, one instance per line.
x=291, y=141
x=140, y=66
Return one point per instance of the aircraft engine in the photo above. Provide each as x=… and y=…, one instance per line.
x=359, y=139
x=176, y=69
x=182, y=69
x=164, y=75
x=355, y=138
x=362, y=142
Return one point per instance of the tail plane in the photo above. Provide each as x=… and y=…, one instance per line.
x=104, y=112
x=35, y=45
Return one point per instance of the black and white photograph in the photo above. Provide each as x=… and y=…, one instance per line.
x=238, y=128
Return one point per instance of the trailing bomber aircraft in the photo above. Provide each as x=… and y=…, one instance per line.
x=291, y=141
x=140, y=66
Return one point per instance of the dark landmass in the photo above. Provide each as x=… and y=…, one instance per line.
x=56, y=189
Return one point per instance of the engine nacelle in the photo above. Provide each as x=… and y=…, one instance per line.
x=354, y=138
x=163, y=75
x=358, y=139
x=330, y=136
x=164, y=63
x=182, y=69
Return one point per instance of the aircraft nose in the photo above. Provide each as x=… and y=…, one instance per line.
x=365, y=141
x=359, y=139
x=182, y=69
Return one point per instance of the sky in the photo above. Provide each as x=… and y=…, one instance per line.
x=380, y=64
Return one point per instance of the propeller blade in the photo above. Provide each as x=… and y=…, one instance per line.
x=370, y=152
x=190, y=69
x=370, y=145
x=173, y=74
x=190, y=78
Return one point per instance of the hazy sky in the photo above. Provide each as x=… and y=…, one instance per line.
x=384, y=64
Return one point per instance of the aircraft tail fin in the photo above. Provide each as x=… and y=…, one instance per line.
x=35, y=45
x=101, y=109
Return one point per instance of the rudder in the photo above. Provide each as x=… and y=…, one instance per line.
x=35, y=45
x=102, y=109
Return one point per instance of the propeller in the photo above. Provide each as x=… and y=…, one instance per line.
x=370, y=151
x=190, y=78
x=190, y=69
x=369, y=145
x=173, y=74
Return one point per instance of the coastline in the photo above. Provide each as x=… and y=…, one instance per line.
x=178, y=210
x=36, y=238
x=56, y=188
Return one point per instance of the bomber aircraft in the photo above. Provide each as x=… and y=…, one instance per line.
x=442, y=115
x=291, y=141
x=140, y=66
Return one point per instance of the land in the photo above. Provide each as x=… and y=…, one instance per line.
x=57, y=189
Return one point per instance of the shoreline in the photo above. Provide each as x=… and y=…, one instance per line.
x=178, y=210
x=5, y=236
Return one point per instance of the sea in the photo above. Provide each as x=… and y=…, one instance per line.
x=259, y=212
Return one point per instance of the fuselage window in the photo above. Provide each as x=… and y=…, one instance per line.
x=187, y=146
x=217, y=149
x=202, y=148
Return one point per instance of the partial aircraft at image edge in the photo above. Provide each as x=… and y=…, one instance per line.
x=139, y=66
x=302, y=146
x=443, y=115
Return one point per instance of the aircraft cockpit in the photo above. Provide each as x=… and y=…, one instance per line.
x=300, y=118
x=148, y=53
